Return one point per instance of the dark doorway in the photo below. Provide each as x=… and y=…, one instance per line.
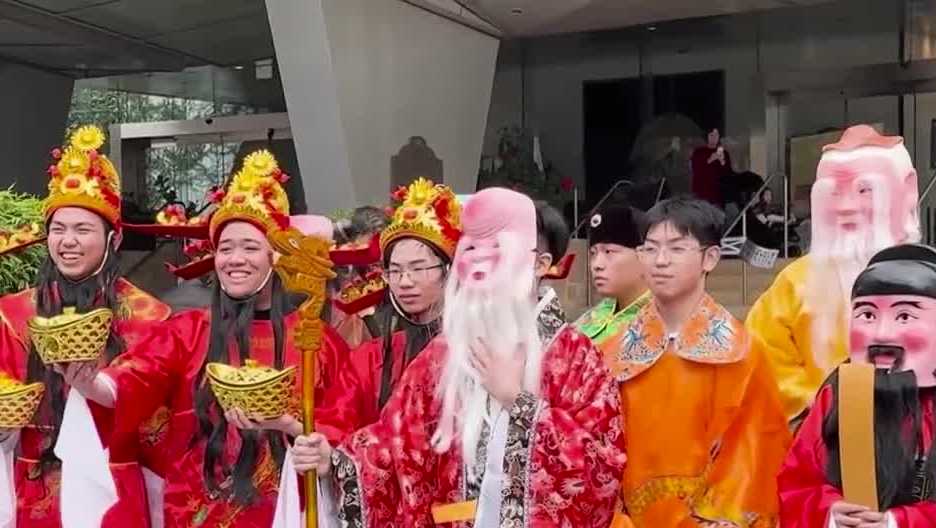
x=615, y=111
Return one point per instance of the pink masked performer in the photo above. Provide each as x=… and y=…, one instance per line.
x=892, y=319
x=864, y=200
x=489, y=424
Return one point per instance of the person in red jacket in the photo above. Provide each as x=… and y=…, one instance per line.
x=221, y=468
x=417, y=249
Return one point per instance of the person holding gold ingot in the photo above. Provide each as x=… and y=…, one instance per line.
x=227, y=373
x=80, y=315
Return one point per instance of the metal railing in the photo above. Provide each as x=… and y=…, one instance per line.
x=742, y=218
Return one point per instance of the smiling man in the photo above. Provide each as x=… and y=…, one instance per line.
x=83, y=224
x=892, y=319
x=704, y=430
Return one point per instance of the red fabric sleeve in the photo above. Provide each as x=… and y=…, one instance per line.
x=805, y=496
x=578, y=438
x=146, y=373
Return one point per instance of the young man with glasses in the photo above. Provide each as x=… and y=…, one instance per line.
x=703, y=423
x=417, y=249
x=614, y=235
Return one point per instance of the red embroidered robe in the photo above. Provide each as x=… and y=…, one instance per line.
x=352, y=401
x=806, y=496
x=160, y=371
x=563, y=460
x=37, y=498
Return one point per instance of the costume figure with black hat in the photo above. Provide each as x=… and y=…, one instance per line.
x=823, y=482
x=221, y=463
x=78, y=283
x=614, y=234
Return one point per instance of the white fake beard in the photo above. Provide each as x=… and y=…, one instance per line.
x=837, y=257
x=506, y=320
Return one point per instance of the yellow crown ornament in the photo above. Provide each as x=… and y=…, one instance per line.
x=80, y=176
x=71, y=336
x=255, y=195
x=426, y=211
x=18, y=402
x=253, y=388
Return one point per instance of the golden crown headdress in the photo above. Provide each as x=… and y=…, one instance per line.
x=80, y=176
x=426, y=211
x=255, y=195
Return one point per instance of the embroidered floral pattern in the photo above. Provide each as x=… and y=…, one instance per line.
x=517, y=459
x=551, y=318
x=350, y=507
x=602, y=322
x=711, y=335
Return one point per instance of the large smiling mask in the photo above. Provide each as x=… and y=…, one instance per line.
x=499, y=241
x=894, y=312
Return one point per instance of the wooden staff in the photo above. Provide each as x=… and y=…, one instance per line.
x=304, y=266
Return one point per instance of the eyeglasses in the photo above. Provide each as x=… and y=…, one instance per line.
x=677, y=253
x=395, y=275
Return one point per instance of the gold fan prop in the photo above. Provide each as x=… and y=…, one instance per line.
x=253, y=388
x=18, y=402
x=305, y=266
x=71, y=336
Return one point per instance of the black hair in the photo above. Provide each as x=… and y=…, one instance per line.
x=552, y=231
x=367, y=220
x=53, y=293
x=691, y=217
x=897, y=442
x=230, y=323
x=417, y=335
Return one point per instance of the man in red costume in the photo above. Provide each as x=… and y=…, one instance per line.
x=892, y=319
x=417, y=249
x=83, y=224
x=487, y=424
x=221, y=469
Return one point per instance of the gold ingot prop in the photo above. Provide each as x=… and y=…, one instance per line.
x=18, y=402
x=71, y=336
x=253, y=388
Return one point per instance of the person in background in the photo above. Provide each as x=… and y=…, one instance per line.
x=704, y=428
x=710, y=164
x=614, y=234
x=552, y=242
x=365, y=223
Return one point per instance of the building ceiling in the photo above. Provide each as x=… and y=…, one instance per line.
x=525, y=18
x=88, y=38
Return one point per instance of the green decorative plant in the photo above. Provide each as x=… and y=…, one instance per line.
x=18, y=269
x=515, y=167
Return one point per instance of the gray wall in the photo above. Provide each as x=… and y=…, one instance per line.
x=541, y=79
x=34, y=108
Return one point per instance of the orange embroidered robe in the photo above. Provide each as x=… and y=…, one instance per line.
x=160, y=371
x=37, y=498
x=705, y=431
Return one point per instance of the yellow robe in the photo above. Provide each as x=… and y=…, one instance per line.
x=780, y=325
